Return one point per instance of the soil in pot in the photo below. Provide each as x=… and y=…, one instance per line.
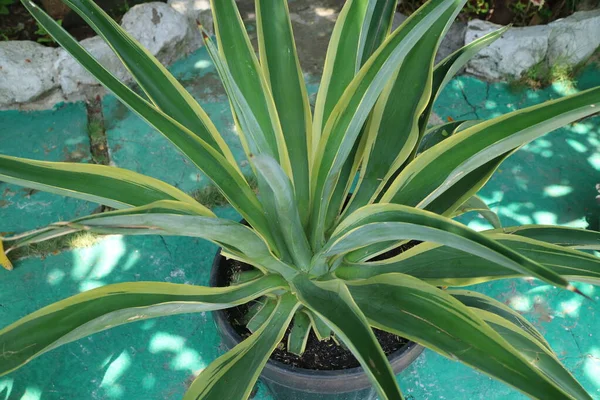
x=323, y=355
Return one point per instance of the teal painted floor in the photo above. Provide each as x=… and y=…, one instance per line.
x=549, y=181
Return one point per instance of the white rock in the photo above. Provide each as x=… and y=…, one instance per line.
x=26, y=71
x=515, y=52
x=575, y=38
x=73, y=77
x=196, y=11
x=166, y=33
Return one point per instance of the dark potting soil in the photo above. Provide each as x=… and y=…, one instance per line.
x=319, y=355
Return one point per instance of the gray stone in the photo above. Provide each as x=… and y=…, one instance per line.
x=196, y=11
x=574, y=39
x=166, y=33
x=26, y=71
x=454, y=39
x=513, y=53
x=73, y=77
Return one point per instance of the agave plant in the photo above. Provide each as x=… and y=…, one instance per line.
x=319, y=245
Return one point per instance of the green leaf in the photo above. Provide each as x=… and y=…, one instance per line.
x=392, y=222
x=281, y=67
x=299, y=334
x=111, y=186
x=332, y=301
x=449, y=66
x=64, y=228
x=536, y=353
x=237, y=52
x=410, y=308
x=392, y=129
x=447, y=203
x=112, y=305
x=445, y=266
x=376, y=20
x=340, y=63
x=475, y=204
x=154, y=79
x=233, y=375
x=239, y=242
x=560, y=235
x=225, y=175
x=286, y=210
x=265, y=309
x=376, y=26
x=351, y=111
x=486, y=303
x=439, y=168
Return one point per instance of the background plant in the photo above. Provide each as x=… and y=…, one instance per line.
x=312, y=249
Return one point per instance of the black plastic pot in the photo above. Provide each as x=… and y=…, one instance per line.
x=290, y=383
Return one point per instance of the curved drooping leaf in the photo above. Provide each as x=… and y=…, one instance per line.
x=450, y=65
x=237, y=52
x=475, y=204
x=4, y=261
x=286, y=210
x=351, y=111
x=459, y=268
x=225, y=175
x=162, y=218
x=155, y=80
x=439, y=168
x=561, y=235
x=420, y=312
x=320, y=328
x=538, y=355
x=332, y=301
x=486, y=303
x=393, y=222
x=111, y=186
x=281, y=67
x=65, y=228
x=112, y=305
x=233, y=375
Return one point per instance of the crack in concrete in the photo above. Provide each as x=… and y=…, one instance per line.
x=464, y=95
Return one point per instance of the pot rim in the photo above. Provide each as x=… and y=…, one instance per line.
x=344, y=380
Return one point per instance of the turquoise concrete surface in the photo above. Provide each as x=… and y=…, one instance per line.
x=549, y=181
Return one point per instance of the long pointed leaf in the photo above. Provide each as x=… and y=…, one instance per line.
x=281, y=67
x=99, y=309
x=560, y=235
x=156, y=81
x=233, y=375
x=385, y=222
x=422, y=313
x=236, y=49
x=344, y=124
x=462, y=269
x=538, y=355
x=332, y=301
x=225, y=175
x=446, y=163
x=111, y=186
